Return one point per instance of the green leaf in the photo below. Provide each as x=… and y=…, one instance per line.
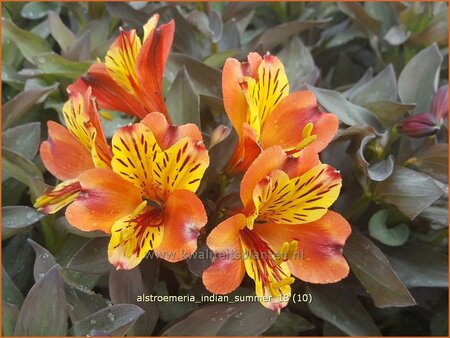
x=10, y=292
x=411, y=192
x=389, y=112
x=44, y=311
x=92, y=257
x=339, y=306
x=418, y=81
x=246, y=319
x=82, y=303
x=115, y=320
x=434, y=162
x=124, y=288
x=23, y=170
x=392, y=236
x=419, y=265
x=18, y=218
x=382, y=87
x=60, y=32
x=206, y=80
x=274, y=36
x=14, y=109
x=23, y=139
x=299, y=64
x=347, y=112
x=183, y=101
x=38, y=10
x=218, y=59
x=397, y=35
x=28, y=43
x=9, y=318
x=44, y=260
x=357, y=12
x=373, y=270
x=289, y=324
x=54, y=64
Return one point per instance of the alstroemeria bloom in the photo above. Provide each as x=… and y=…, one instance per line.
x=131, y=78
x=257, y=101
x=147, y=200
x=70, y=152
x=285, y=228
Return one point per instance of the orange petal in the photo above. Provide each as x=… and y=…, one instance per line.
x=297, y=166
x=246, y=151
x=184, y=217
x=318, y=258
x=269, y=160
x=62, y=195
x=233, y=98
x=181, y=166
x=151, y=61
x=299, y=200
x=286, y=123
x=109, y=94
x=63, y=155
x=135, y=151
x=167, y=135
x=105, y=198
x=227, y=270
x=134, y=235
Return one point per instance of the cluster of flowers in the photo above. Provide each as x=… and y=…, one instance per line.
x=141, y=188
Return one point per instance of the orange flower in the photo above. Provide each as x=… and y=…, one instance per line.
x=131, y=78
x=284, y=228
x=70, y=152
x=257, y=101
x=147, y=200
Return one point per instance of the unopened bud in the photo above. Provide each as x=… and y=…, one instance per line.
x=219, y=134
x=420, y=125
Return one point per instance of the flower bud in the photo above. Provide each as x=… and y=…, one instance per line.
x=219, y=134
x=440, y=104
x=419, y=125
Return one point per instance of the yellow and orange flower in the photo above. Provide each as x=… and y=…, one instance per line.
x=70, y=152
x=284, y=228
x=131, y=78
x=257, y=101
x=147, y=200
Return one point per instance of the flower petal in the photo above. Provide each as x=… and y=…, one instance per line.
x=167, y=135
x=63, y=155
x=105, y=197
x=233, y=98
x=62, y=195
x=299, y=200
x=82, y=120
x=266, y=93
x=246, y=151
x=108, y=93
x=181, y=166
x=319, y=254
x=120, y=61
x=269, y=160
x=184, y=217
x=134, y=235
x=135, y=150
x=291, y=116
x=151, y=61
x=227, y=270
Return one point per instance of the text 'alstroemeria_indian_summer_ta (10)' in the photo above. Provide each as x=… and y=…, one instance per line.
x=140, y=188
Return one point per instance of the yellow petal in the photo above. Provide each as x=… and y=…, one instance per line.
x=299, y=200
x=62, y=195
x=134, y=235
x=135, y=149
x=120, y=60
x=181, y=166
x=150, y=25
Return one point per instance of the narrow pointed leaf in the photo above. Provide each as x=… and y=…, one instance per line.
x=18, y=218
x=23, y=139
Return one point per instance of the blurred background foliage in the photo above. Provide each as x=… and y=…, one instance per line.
x=372, y=64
